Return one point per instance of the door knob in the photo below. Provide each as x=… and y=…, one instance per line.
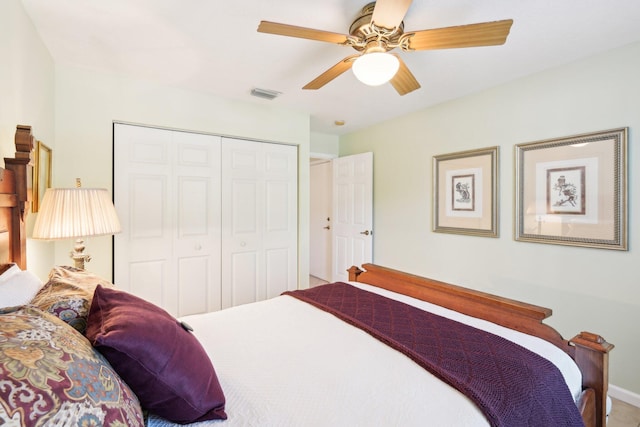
x=365, y=232
x=327, y=227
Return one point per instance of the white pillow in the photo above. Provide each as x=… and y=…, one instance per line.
x=9, y=272
x=18, y=287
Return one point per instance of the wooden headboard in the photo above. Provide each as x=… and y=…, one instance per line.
x=15, y=199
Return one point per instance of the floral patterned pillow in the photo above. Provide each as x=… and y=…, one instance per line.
x=51, y=376
x=68, y=295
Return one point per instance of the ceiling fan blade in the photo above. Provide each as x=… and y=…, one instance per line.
x=390, y=13
x=404, y=81
x=483, y=34
x=331, y=73
x=301, y=32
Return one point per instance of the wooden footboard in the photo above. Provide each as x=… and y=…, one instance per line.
x=590, y=351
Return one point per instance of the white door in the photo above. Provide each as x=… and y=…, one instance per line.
x=352, y=219
x=259, y=220
x=320, y=220
x=166, y=195
x=196, y=244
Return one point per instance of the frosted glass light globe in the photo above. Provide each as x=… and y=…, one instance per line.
x=375, y=68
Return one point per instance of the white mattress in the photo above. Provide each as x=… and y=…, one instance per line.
x=283, y=362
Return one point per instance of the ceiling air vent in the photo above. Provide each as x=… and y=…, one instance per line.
x=265, y=93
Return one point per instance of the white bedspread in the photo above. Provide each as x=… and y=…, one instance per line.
x=283, y=362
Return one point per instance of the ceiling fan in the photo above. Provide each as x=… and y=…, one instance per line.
x=378, y=29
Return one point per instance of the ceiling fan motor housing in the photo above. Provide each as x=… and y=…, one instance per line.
x=372, y=37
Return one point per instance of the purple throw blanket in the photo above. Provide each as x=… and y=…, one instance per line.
x=512, y=385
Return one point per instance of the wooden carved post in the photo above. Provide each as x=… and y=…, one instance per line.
x=22, y=169
x=592, y=356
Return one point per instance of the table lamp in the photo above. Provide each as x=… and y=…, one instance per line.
x=76, y=213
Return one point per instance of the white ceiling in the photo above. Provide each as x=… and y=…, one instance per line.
x=213, y=46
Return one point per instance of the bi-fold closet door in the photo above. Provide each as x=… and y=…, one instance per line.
x=259, y=221
x=208, y=222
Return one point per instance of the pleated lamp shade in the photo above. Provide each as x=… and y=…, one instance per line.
x=75, y=213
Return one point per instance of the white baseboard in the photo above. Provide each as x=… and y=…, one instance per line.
x=625, y=395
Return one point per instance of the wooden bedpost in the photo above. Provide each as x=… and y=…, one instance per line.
x=592, y=356
x=22, y=169
x=354, y=272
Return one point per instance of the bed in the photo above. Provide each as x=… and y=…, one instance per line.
x=78, y=350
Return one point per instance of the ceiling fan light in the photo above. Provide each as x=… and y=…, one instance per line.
x=375, y=68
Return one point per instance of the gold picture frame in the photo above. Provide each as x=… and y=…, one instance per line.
x=465, y=188
x=41, y=174
x=573, y=190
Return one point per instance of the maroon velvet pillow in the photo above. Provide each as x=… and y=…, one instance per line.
x=164, y=364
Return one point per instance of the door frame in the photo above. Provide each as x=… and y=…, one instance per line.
x=314, y=159
x=321, y=211
x=319, y=157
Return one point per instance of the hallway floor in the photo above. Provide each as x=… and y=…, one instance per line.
x=314, y=281
x=623, y=415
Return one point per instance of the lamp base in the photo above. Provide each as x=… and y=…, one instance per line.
x=78, y=256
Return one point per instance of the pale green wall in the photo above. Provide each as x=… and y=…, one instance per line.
x=26, y=78
x=87, y=103
x=26, y=98
x=325, y=144
x=588, y=289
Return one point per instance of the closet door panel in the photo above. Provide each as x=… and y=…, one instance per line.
x=193, y=211
x=196, y=248
x=148, y=279
x=143, y=196
x=242, y=222
x=277, y=206
x=259, y=193
x=244, y=274
x=192, y=273
x=148, y=207
x=278, y=268
x=166, y=192
x=243, y=207
x=243, y=158
x=280, y=231
x=196, y=242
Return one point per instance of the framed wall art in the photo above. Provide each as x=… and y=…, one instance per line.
x=573, y=190
x=465, y=187
x=41, y=174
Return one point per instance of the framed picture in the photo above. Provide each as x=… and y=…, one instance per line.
x=573, y=190
x=41, y=174
x=465, y=187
